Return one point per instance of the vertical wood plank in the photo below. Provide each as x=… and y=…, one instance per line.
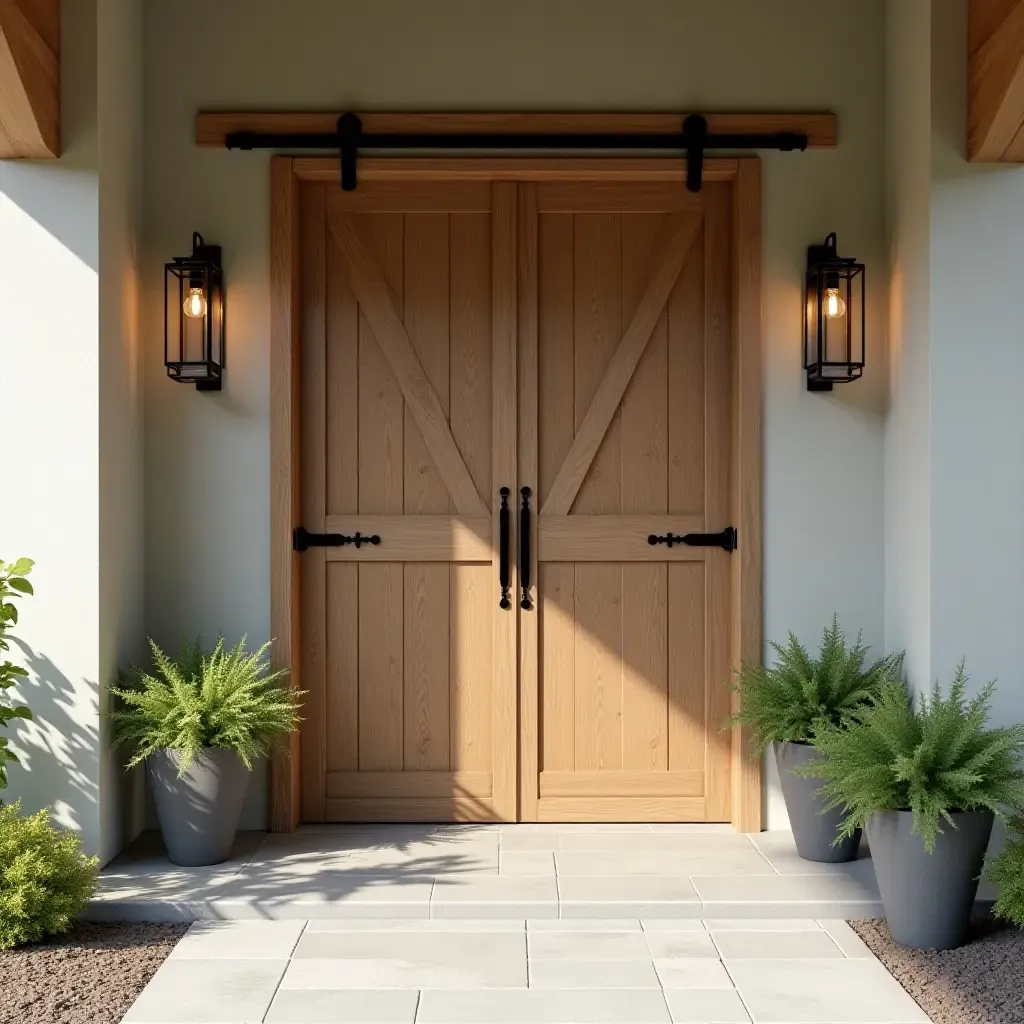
x=472, y=654
x=505, y=391
x=427, y=600
x=687, y=720
x=285, y=391
x=598, y=634
x=746, y=472
x=342, y=585
x=718, y=503
x=556, y=299
x=313, y=288
x=529, y=711
x=686, y=386
x=381, y=490
x=644, y=415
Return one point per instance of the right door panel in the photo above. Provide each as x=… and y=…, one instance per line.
x=625, y=399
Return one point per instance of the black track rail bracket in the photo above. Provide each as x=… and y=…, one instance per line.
x=693, y=140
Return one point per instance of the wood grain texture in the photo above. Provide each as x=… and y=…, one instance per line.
x=718, y=390
x=433, y=538
x=996, y=81
x=313, y=311
x=669, y=255
x=411, y=809
x=285, y=369
x=504, y=363
x=407, y=785
x=621, y=808
x=472, y=659
x=421, y=399
x=746, y=812
x=412, y=196
x=636, y=783
x=30, y=115
x=529, y=619
x=519, y=169
x=612, y=538
x=213, y=126
x=687, y=668
x=630, y=197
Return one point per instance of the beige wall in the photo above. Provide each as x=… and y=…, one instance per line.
x=207, y=509
x=72, y=455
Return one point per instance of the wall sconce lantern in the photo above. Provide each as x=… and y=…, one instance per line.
x=834, y=326
x=194, y=317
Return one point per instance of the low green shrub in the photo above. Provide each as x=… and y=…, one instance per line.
x=1007, y=872
x=45, y=881
x=790, y=700
x=227, y=698
x=12, y=586
x=934, y=760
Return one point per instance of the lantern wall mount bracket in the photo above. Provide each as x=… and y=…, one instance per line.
x=693, y=140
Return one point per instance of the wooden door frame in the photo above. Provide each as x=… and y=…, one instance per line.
x=287, y=176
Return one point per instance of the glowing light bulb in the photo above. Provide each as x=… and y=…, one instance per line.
x=195, y=303
x=834, y=305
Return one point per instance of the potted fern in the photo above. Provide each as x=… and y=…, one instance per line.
x=1007, y=871
x=926, y=782
x=783, y=706
x=199, y=721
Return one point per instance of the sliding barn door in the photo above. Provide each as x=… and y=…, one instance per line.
x=625, y=362
x=408, y=432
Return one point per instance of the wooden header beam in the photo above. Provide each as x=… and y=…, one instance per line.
x=29, y=79
x=996, y=82
x=212, y=128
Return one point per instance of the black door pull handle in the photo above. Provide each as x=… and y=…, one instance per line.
x=727, y=539
x=524, y=550
x=504, y=529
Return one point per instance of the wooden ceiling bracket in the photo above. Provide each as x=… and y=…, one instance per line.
x=29, y=79
x=692, y=135
x=996, y=82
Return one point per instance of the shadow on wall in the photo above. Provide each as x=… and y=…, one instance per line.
x=58, y=749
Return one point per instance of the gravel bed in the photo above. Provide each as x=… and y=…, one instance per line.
x=980, y=983
x=89, y=976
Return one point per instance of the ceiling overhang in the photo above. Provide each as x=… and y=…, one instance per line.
x=29, y=79
x=996, y=91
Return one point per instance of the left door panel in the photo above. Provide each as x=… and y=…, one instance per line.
x=406, y=712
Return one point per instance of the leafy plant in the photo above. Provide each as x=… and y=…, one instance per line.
x=45, y=881
x=227, y=698
x=1007, y=871
x=940, y=758
x=791, y=700
x=13, y=585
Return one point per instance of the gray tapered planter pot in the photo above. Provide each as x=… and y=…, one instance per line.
x=928, y=897
x=198, y=812
x=814, y=831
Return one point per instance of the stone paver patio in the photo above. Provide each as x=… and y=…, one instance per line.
x=538, y=971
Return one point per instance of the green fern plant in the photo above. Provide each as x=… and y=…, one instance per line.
x=1007, y=872
x=791, y=700
x=12, y=585
x=226, y=698
x=937, y=759
x=45, y=881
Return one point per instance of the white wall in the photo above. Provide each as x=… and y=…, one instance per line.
x=72, y=496
x=207, y=511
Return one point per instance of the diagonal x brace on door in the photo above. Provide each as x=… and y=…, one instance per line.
x=669, y=254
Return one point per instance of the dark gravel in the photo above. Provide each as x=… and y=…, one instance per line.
x=89, y=976
x=980, y=983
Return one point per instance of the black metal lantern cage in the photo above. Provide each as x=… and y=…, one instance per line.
x=194, y=344
x=833, y=344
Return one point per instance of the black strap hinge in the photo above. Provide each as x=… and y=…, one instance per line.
x=728, y=539
x=303, y=540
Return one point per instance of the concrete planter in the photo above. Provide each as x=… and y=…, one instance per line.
x=198, y=812
x=813, y=830
x=928, y=897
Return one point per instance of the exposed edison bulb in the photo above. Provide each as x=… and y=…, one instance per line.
x=195, y=303
x=834, y=305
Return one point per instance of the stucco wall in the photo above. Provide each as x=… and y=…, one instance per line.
x=72, y=448
x=207, y=509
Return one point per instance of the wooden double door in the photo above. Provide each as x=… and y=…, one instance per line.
x=572, y=338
